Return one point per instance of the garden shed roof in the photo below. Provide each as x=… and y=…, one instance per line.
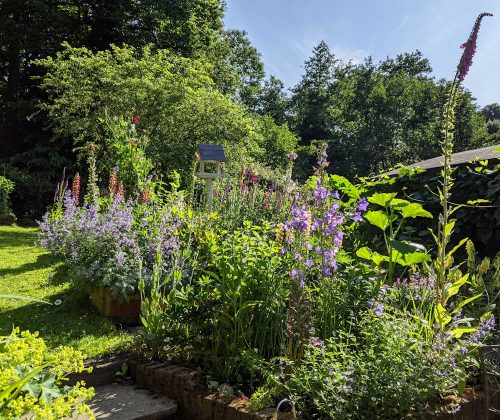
x=488, y=152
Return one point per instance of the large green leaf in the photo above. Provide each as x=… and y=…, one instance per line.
x=406, y=247
x=382, y=199
x=398, y=203
x=378, y=218
x=367, y=254
x=416, y=258
x=459, y=331
x=414, y=210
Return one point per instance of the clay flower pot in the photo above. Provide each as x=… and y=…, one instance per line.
x=110, y=307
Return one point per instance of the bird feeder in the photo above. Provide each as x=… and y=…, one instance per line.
x=210, y=154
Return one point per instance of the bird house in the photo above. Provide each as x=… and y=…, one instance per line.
x=210, y=154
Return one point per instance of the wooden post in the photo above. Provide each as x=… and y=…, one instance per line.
x=210, y=193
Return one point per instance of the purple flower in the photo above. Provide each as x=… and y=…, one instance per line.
x=363, y=204
x=309, y=263
x=337, y=240
x=320, y=193
x=309, y=247
x=379, y=310
x=469, y=49
x=293, y=273
x=292, y=155
x=357, y=217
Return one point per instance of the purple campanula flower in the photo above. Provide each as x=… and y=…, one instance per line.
x=320, y=193
x=379, y=310
x=357, y=217
x=363, y=204
x=309, y=263
x=337, y=240
x=293, y=273
x=309, y=247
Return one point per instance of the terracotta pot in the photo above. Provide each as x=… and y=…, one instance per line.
x=110, y=307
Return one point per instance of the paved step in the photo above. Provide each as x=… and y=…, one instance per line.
x=127, y=402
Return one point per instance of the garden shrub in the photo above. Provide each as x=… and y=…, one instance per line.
x=178, y=104
x=6, y=188
x=387, y=369
x=104, y=246
x=32, y=379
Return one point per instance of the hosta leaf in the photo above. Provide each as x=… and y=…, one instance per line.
x=378, y=218
x=414, y=210
x=382, y=199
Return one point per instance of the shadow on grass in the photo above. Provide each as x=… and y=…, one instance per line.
x=42, y=261
x=74, y=319
x=17, y=237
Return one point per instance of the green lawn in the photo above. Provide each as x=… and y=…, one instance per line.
x=28, y=270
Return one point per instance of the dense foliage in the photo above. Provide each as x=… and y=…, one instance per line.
x=32, y=379
x=371, y=115
x=176, y=99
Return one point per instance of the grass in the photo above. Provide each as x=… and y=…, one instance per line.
x=29, y=271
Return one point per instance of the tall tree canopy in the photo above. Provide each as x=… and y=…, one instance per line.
x=376, y=115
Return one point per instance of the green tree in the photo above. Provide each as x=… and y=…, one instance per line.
x=492, y=115
x=237, y=69
x=178, y=104
x=313, y=97
x=273, y=100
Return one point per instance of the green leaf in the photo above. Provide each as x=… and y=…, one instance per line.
x=455, y=287
x=465, y=302
x=459, y=331
x=414, y=210
x=367, y=254
x=405, y=247
x=441, y=315
x=378, y=218
x=398, y=203
x=462, y=241
x=449, y=227
x=343, y=184
x=382, y=199
x=416, y=258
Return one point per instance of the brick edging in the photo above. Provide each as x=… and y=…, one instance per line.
x=194, y=401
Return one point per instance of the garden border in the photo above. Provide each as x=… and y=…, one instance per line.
x=195, y=401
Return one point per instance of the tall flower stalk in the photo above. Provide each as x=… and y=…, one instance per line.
x=445, y=225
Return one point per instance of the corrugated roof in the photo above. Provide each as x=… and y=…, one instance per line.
x=488, y=152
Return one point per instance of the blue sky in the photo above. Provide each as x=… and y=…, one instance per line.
x=285, y=32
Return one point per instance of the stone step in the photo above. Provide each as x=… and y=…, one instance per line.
x=127, y=402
